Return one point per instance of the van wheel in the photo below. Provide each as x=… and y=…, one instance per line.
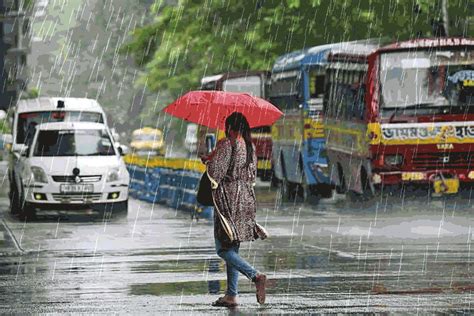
x=28, y=212
x=14, y=201
x=341, y=188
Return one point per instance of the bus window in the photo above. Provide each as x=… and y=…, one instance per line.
x=285, y=91
x=262, y=129
x=251, y=85
x=345, y=98
x=316, y=84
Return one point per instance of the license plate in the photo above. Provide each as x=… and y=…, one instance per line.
x=413, y=176
x=77, y=188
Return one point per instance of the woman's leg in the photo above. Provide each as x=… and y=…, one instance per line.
x=231, y=257
x=232, y=273
x=232, y=280
x=235, y=263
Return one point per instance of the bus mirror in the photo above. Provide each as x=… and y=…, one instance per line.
x=210, y=142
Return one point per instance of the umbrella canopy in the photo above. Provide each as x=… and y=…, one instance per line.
x=211, y=108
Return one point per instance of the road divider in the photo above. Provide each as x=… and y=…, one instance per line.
x=169, y=181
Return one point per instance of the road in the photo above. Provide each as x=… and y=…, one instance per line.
x=411, y=255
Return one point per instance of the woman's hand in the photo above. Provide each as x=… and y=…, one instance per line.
x=204, y=159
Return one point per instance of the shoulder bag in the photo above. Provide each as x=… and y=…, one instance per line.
x=204, y=193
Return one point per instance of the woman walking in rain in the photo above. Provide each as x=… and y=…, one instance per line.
x=232, y=169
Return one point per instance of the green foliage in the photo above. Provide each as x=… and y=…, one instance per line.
x=196, y=38
x=32, y=93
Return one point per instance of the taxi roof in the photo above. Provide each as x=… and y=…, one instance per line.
x=51, y=104
x=147, y=130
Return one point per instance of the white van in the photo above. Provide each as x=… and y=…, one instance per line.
x=32, y=112
x=72, y=165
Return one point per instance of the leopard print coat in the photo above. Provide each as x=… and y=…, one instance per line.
x=233, y=190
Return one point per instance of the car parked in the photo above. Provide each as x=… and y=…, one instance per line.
x=69, y=166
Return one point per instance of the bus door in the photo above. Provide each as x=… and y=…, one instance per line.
x=287, y=133
x=314, y=153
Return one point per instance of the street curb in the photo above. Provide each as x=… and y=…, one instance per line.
x=11, y=236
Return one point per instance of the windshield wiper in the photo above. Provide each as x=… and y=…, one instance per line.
x=413, y=106
x=399, y=108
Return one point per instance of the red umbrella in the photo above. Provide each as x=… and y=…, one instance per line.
x=211, y=108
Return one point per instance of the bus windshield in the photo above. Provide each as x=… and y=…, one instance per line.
x=427, y=79
x=27, y=121
x=87, y=142
x=251, y=85
x=285, y=90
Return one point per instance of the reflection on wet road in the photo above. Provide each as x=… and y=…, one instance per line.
x=331, y=257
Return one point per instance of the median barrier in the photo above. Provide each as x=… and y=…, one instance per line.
x=169, y=181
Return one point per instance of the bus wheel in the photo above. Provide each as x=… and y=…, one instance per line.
x=304, y=190
x=365, y=185
x=288, y=190
x=341, y=188
x=325, y=190
x=274, y=181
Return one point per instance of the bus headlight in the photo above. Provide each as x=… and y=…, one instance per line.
x=393, y=160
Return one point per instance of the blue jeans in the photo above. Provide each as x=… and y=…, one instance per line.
x=234, y=265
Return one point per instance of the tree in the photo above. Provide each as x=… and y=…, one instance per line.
x=194, y=38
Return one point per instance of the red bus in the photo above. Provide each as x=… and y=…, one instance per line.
x=401, y=113
x=254, y=83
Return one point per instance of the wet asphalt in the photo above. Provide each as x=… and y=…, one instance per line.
x=392, y=254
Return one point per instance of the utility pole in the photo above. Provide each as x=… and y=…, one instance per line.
x=3, y=53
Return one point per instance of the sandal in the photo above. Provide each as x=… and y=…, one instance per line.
x=221, y=303
x=260, y=284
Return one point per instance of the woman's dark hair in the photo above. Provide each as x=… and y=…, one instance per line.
x=238, y=123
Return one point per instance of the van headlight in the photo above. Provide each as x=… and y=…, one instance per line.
x=113, y=175
x=39, y=175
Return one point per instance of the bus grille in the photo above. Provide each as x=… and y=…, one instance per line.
x=458, y=160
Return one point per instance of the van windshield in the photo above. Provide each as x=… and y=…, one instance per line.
x=27, y=121
x=80, y=142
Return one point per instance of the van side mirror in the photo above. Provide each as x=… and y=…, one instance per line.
x=19, y=148
x=25, y=151
x=122, y=150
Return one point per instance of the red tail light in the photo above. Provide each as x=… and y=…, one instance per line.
x=307, y=126
x=381, y=160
